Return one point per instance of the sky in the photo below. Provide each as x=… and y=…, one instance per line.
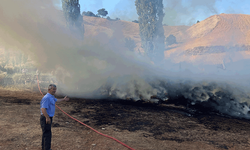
x=177, y=12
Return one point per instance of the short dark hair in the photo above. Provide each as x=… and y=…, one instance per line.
x=51, y=85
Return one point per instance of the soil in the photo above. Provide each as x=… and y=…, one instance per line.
x=140, y=125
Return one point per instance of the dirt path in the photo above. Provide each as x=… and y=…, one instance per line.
x=140, y=125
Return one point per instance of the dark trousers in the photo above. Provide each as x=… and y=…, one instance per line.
x=46, y=137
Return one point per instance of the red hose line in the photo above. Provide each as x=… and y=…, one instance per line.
x=85, y=124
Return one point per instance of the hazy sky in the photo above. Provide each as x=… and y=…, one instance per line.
x=177, y=12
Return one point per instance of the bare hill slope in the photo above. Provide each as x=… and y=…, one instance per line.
x=101, y=28
x=212, y=39
x=224, y=29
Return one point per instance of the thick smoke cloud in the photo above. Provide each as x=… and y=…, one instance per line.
x=102, y=68
x=38, y=29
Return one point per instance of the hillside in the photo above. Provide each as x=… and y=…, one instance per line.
x=213, y=39
x=224, y=29
x=101, y=28
x=209, y=41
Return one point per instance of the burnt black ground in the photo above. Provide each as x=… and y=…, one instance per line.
x=164, y=121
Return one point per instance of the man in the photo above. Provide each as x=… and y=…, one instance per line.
x=47, y=108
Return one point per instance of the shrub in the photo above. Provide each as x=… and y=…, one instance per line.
x=135, y=21
x=171, y=39
x=10, y=70
x=89, y=13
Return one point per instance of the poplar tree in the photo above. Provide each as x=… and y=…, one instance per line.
x=72, y=14
x=150, y=19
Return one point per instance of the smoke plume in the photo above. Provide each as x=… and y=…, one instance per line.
x=92, y=69
x=39, y=30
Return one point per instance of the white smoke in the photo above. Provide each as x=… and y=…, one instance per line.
x=91, y=69
x=38, y=29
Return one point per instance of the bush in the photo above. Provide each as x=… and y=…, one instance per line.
x=108, y=18
x=171, y=39
x=135, y=21
x=89, y=13
x=10, y=70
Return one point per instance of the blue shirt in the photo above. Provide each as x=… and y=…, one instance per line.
x=48, y=102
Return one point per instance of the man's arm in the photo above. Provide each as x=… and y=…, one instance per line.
x=63, y=99
x=46, y=115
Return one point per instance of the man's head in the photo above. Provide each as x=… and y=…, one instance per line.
x=52, y=89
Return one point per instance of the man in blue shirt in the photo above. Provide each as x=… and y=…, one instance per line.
x=47, y=108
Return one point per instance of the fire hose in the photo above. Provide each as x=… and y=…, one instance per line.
x=85, y=124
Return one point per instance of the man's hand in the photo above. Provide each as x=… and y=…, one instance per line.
x=48, y=120
x=65, y=98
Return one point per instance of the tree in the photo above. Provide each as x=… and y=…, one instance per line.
x=102, y=12
x=130, y=44
x=150, y=19
x=71, y=11
x=135, y=21
x=89, y=13
x=171, y=39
